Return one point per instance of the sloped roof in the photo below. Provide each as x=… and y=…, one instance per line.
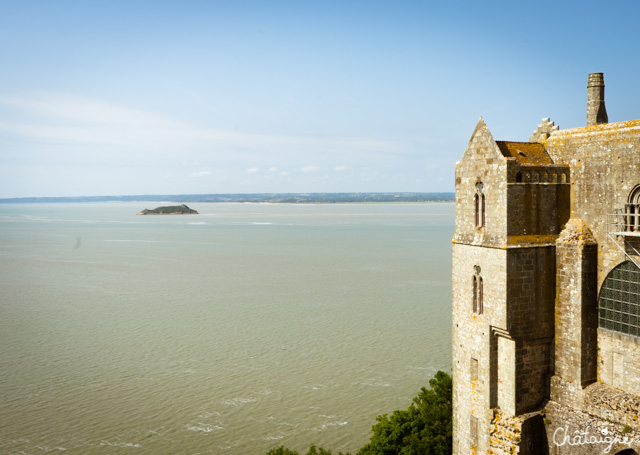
x=527, y=153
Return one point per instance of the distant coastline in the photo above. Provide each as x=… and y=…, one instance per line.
x=274, y=198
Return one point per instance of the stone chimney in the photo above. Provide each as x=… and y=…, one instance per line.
x=596, y=112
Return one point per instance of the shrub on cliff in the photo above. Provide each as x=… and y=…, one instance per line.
x=312, y=451
x=424, y=428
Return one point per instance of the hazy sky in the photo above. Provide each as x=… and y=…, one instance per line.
x=160, y=97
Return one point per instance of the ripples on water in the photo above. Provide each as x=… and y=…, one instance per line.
x=231, y=332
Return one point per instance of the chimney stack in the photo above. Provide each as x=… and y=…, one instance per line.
x=596, y=112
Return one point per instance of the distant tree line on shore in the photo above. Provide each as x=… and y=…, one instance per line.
x=424, y=428
x=282, y=198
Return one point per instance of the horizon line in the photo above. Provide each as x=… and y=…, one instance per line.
x=244, y=197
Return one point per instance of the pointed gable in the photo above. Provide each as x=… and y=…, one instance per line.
x=481, y=183
x=482, y=142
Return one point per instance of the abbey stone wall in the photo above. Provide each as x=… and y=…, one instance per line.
x=532, y=369
x=605, y=167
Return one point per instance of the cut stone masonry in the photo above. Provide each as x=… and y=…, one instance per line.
x=556, y=348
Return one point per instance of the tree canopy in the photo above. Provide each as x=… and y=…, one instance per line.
x=424, y=428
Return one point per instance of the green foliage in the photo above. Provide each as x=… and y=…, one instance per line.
x=313, y=450
x=424, y=428
x=320, y=451
x=281, y=451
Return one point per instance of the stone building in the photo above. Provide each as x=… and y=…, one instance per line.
x=546, y=289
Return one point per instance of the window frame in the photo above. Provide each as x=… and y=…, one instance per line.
x=619, y=300
x=632, y=211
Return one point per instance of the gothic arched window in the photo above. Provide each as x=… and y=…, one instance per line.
x=476, y=204
x=619, y=300
x=632, y=210
x=480, y=295
x=475, y=294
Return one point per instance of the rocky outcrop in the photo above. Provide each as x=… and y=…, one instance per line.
x=181, y=209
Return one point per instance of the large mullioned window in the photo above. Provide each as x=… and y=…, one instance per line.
x=619, y=301
x=632, y=211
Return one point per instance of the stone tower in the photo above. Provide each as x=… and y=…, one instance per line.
x=596, y=112
x=511, y=202
x=546, y=297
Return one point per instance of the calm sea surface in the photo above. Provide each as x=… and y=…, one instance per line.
x=243, y=328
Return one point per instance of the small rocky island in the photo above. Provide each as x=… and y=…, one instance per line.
x=181, y=209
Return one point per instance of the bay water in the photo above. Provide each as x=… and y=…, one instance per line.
x=243, y=328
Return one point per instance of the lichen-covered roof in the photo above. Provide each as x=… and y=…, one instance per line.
x=527, y=153
x=576, y=232
x=602, y=132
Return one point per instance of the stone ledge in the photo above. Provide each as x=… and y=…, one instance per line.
x=623, y=337
x=610, y=128
x=571, y=432
x=614, y=405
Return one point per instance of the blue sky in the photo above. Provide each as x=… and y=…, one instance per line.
x=163, y=97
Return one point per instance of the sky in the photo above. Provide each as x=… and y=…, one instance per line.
x=192, y=97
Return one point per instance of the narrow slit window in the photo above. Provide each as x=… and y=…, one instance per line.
x=480, y=296
x=475, y=294
x=473, y=433
x=480, y=206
